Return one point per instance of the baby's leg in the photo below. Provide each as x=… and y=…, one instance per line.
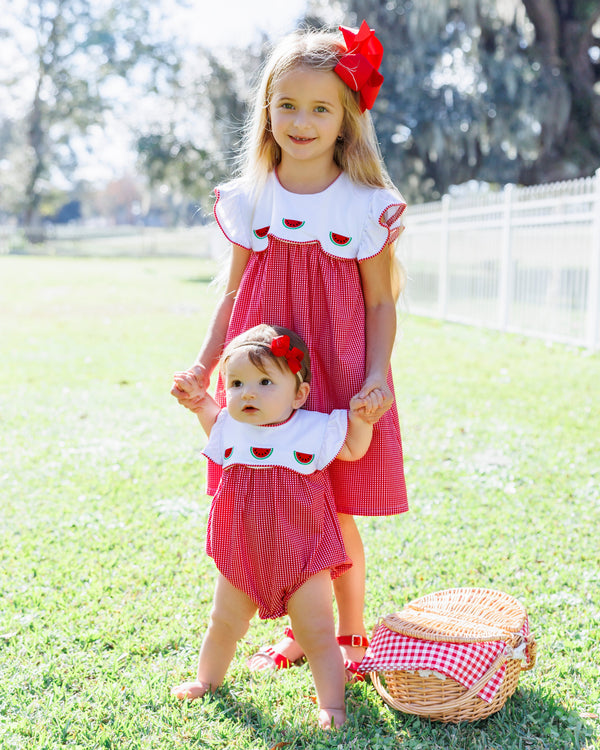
x=231, y=614
x=311, y=612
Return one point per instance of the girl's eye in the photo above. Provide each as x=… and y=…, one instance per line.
x=287, y=105
x=320, y=108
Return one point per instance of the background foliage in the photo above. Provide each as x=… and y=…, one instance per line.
x=484, y=90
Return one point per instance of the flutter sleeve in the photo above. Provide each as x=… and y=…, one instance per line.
x=334, y=437
x=233, y=212
x=214, y=447
x=383, y=223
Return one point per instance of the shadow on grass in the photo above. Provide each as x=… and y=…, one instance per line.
x=259, y=728
x=530, y=720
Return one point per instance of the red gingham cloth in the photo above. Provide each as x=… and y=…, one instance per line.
x=299, y=286
x=271, y=529
x=463, y=662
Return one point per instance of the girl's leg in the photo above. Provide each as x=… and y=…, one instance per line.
x=286, y=646
x=311, y=612
x=229, y=620
x=349, y=589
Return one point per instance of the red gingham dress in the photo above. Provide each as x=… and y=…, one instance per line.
x=304, y=275
x=271, y=526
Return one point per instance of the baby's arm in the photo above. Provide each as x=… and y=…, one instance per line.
x=205, y=407
x=360, y=429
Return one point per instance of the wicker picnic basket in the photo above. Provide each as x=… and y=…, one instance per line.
x=462, y=615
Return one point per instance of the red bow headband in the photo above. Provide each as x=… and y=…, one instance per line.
x=280, y=346
x=358, y=68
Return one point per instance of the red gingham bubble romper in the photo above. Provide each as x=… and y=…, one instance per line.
x=304, y=274
x=272, y=522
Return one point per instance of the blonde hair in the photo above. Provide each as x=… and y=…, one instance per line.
x=356, y=153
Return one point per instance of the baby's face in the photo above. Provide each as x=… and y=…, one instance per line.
x=259, y=396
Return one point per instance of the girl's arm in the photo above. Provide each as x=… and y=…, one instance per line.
x=380, y=329
x=194, y=385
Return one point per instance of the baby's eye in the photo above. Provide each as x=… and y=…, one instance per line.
x=235, y=384
x=265, y=381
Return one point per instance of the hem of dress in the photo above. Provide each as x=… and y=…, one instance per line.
x=375, y=513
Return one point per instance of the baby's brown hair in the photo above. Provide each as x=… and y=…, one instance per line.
x=257, y=342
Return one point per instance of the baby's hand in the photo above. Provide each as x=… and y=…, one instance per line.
x=367, y=407
x=373, y=400
x=190, y=387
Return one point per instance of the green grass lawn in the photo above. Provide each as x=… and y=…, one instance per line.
x=104, y=581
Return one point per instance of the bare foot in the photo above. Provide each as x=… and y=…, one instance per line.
x=190, y=690
x=331, y=718
x=273, y=657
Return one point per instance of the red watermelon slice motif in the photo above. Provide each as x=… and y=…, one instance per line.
x=304, y=458
x=339, y=239
x=292, y=223
x=260, y=233
x=261, y=453
x=228, y=452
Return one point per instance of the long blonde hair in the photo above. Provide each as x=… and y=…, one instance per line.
x=356, y=153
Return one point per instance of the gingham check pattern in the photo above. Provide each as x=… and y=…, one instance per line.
x=463, y=662
x=319, y=296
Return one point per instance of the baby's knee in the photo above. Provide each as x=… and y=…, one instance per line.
x=317, y=638
x=228, y=622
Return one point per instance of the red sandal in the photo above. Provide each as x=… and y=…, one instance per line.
x=278, y=660
x=352, y=667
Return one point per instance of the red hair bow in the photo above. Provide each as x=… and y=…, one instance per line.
x=280, y=346
x=358, y=69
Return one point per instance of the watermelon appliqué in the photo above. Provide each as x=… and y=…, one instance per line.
x=339, y=239
x=304, y=458
x=292, y=223
x=261, y=453
x=261, y=233
x=228, y=452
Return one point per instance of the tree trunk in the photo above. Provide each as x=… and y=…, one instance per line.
x=571, y=132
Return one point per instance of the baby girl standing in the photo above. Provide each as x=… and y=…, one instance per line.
x=313, y=221
x=273, y=530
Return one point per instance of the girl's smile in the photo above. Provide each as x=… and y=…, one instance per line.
x=306, y=115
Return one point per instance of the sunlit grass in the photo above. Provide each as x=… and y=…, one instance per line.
x=105, y=584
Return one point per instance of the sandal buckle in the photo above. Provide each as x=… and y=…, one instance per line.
x=357, y=641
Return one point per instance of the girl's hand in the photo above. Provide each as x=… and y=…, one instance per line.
x=190, y=387
x=372, y=401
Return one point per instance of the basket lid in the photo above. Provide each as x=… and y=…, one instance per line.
x=462, y=615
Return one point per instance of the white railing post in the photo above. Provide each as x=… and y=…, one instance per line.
x=443, y=280
x=592, y=327
x=504, y=282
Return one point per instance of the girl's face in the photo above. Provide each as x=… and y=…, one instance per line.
x=261, y=397
x=306, y=115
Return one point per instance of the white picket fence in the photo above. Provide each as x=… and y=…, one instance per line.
x=523, y=260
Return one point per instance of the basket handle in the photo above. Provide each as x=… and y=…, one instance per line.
x=456, y=703
x=531, y=651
